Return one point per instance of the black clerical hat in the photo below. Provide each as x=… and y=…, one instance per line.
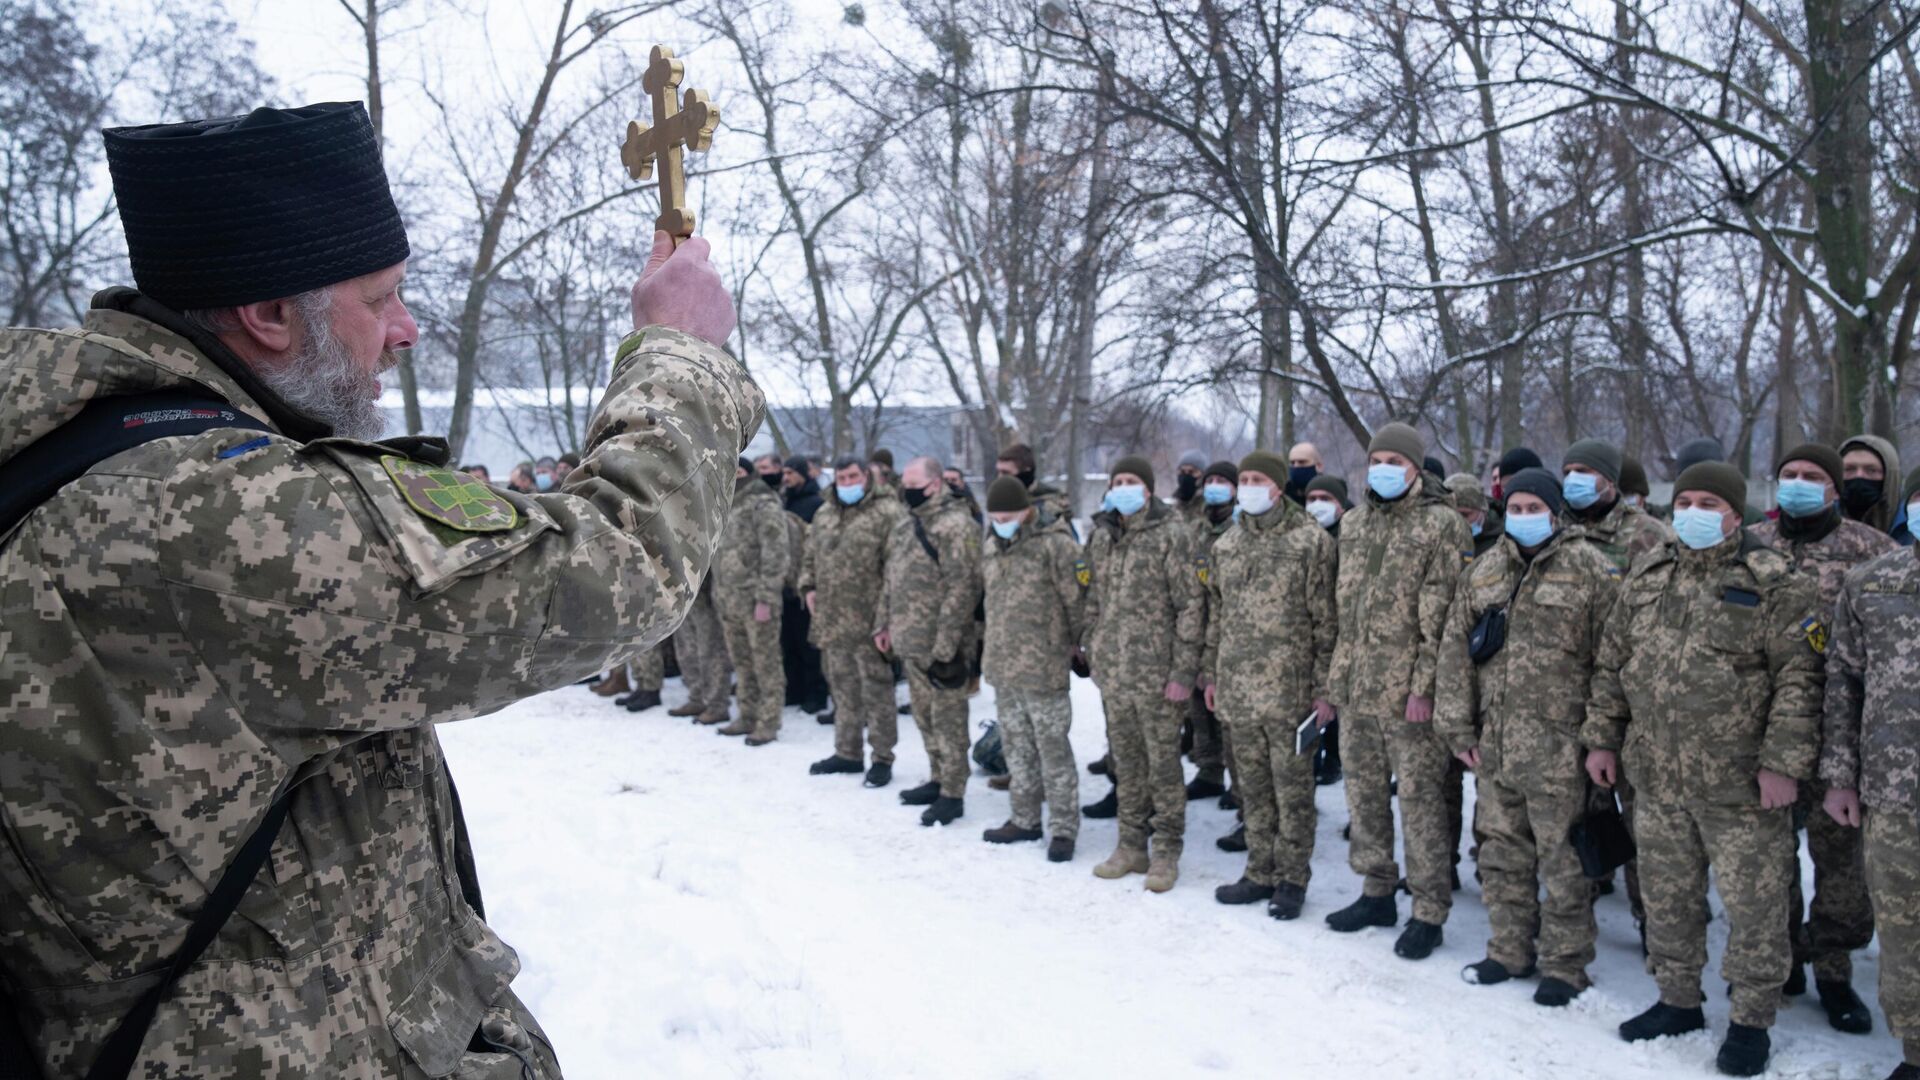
x=256, y=207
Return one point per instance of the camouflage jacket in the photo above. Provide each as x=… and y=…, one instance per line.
x=1146, y=611
x=1523, y=708
x=1036, y=606
x=844, y=566
x=1399, y=565
x=1624, y=533
x=1828, y=557
x=1270, y=615
x=752, y=563
x=928, y=604
x=1053, y=503
x=200, y=619
x=1709, y=671
x=1871, y=725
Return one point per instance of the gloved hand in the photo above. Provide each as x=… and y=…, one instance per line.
x=948, y=674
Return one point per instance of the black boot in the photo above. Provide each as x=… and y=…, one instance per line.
x=1287, y=902
x=640, y=700
x=1555, y=993
x=825, y=719
x=1099, y=767
x=944, y=811
x=1745, y=1051
x=879, y=774
x=1326, y=765
x=1230, y=801
x=1364, y=912
x=1202, y=788
x=1243, y=891
x=1662, y=1020
x=835, y=764
x=1009, y=834
x=904, y=710
x=1418, y=940
x=1845, y=1011
x=1107, y=807
x=1491, y=972
x=924, y=795
x=1235, y=841
x=1060, y=849
x=1796, y=983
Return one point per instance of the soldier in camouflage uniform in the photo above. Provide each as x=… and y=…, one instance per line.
x=1145, y=632
x=1707, y=689
x=1210, y=753
x=700, y=645
x=749, y=576
x=925, y=617
x=1270, y=637
x=1400, y=560
x=841, y=576
x=1036, y=582
x=1823, y=544
x=1870, y=762
x=1514, y=718
x=1187, y=479
x=1017, y=461
x=646, y=673
x=293, y=606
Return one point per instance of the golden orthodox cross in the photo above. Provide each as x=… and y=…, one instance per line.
x=675, y=125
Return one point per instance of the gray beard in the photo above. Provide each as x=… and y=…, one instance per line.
x=321, y=380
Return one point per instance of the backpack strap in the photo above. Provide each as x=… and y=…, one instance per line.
x=920, y=534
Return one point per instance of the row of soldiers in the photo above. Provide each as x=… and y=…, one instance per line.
x=1555, y=638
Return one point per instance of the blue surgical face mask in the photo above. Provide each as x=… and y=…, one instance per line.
x=1530, y=530
x=1217, y=494
x=1581, y=489
x=1476, y=528
x=1128, y=500
x=850, y=493
x=1802, y=498
x=1698, y=529
x=543, y=481
x=1387, y=481
x=1255, y=500
x=1006, y=529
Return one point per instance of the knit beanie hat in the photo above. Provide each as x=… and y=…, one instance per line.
x=1332, y=485
x=1194, y=458
x=1816, y=454
x=1705, y=448
x=1537, y=482
x=1225, y=470
x=1633, y=477
x=1137, y=465
x=1400, y=439
x=1267, y=464
x=1600, y=456
x=1715, y=477
x=1006, y=495
x=1519, y=458
x=882, y=456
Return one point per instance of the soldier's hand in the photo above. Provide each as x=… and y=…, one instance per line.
x=1603, y=767
x=680, y=289
x=1777, y=791
x=1470, y=758
x=1208, y=695
x=1177, y=691
x=810, y=596
x=1419, y=709
x=1843, y=807
x=762, y=612
x=1323, y=712
x=883, y=641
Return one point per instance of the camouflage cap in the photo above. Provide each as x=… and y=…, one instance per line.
x=1467, y=494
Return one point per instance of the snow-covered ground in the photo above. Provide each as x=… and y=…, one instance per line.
x=685, y=906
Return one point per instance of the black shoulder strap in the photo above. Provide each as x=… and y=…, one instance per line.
x=920, y=534
x=105, y=427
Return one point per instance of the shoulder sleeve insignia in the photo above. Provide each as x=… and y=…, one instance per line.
x=1202, y=566
x=1466, y=557
x=453, y=499
x=1082, y=573
x=1816, y=632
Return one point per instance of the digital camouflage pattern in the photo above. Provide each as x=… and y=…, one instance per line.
x=1523, y=709
x=844, y=567
x=1893, y=876
x=1211, y=744
x=1052, y=503
x=1034, y=727
x=751, y=568
x=1399, y=567
x=700, y=646
x=1840, y=918
x=927, y=607
x=1707, y=673
x=647, y=669
x=1270, y=640
x=1623, y=533
x=185, y=629
x=1871, y=721
x=1036, y=607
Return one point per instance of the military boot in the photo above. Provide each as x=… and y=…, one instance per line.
x=922, y=795
x=1745, y=1051
x=1163, y=869
x=1235, y=841
x=1287, y=901
x=825, y=719
x=1418, y=940
x=944, y=811
x=1845, y=1011
x=641, y=700
x=1108, y=807
x=1491, y=972
x=715, y=716
x=1364, y=912
x=737, y=728
x=1060, y=849
x=1123, y=861
x=1010, y=834
x=879, y=774
x=761, y=738
x=1204, y=787
x=1555, y=993
x=691, y=708
x=615, y=683
x=1001, y=782
x=1663, y=1020
x=1244, y=891
x=835, y=764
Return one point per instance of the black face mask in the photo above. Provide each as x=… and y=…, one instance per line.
x=1025, y=476
x=1859, y=495
x=1186, y=486
x=1299, y=476
x=959, y=488
x=915, y=497
x=772, y=479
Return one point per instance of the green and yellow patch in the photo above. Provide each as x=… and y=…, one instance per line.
x=451, y=498
x=1816, y=632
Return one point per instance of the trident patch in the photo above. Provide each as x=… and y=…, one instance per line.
x=1202, y=567
x=1816, y=632
x=1082, y=573
x=453, y=499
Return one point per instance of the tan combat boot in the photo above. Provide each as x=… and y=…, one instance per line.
x=691, y=708
x=737, y=728
x=1162, y=870
x=613, y=684
x=1123, y=861
x=712, y=717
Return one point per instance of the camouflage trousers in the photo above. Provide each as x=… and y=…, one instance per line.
x=701, y=647
x=760, y=679
x=1678, y=843
x=1893, y=877
x=1276, y=791
x=647, y=670
x=1841, y=917
x=1143, y=738
x=861, y=682
x=1376, y=752
x=1033, y=731
x=1524, y=848
x=941, y=716
x=1212, y=751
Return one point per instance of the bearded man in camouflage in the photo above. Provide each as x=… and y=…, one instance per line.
x=263, y=600
x=1707, y=689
